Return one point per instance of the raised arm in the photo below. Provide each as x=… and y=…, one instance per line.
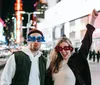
x=87, y=40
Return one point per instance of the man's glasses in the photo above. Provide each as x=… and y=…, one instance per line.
x=59, y=48
x=34, y=38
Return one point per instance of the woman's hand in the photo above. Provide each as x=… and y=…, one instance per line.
x=93, y=16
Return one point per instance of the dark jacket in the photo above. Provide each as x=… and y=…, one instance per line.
x=78, y=61
x=23, y=65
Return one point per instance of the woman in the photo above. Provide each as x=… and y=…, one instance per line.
x=68, y=67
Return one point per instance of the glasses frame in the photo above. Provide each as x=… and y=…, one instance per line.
x=34, y=38
x=59, y=48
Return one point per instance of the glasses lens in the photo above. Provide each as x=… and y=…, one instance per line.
x=43, y=40
x=29, y=38
x=33, y=38
x=71, y=48
x=56, y=48
x=60, y=48
x=66, y=48
x=39, y=39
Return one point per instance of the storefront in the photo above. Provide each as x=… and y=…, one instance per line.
x=73, y=17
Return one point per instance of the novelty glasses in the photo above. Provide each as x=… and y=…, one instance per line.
x=59, y=48
x=34, y=38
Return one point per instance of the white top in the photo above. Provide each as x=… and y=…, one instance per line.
x=10, y=68
x=65, y=76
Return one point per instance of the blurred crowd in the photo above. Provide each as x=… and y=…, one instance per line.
x=94, y=56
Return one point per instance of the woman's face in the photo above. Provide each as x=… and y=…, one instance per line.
x=65, y=50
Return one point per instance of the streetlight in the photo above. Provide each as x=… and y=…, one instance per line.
x=29, y=22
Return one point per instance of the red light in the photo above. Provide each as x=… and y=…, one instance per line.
x=1, y=21
x=18, y=6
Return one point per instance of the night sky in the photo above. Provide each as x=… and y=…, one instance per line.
x=7, y=7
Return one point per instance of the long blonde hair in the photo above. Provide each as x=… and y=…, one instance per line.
x=56, y=57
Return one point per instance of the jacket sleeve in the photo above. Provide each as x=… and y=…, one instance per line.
x=49, y=80
x=87, y=41
x=8, y=72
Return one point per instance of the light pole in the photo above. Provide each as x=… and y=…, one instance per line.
x=29, y=21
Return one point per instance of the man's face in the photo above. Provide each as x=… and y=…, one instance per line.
x=35, y=45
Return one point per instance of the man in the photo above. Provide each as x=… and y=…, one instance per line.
x=28, y=66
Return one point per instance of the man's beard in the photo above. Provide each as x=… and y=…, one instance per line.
x=33, y=48
x=36, y=49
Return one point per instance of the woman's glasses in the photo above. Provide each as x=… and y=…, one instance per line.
x=34, y=38
x=59, y=48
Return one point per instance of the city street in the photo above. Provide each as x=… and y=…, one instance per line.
x=57, y=28
x=95, y=73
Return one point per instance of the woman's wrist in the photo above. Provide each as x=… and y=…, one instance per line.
x=92, y=22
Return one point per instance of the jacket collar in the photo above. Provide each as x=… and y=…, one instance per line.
x=30, y=54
